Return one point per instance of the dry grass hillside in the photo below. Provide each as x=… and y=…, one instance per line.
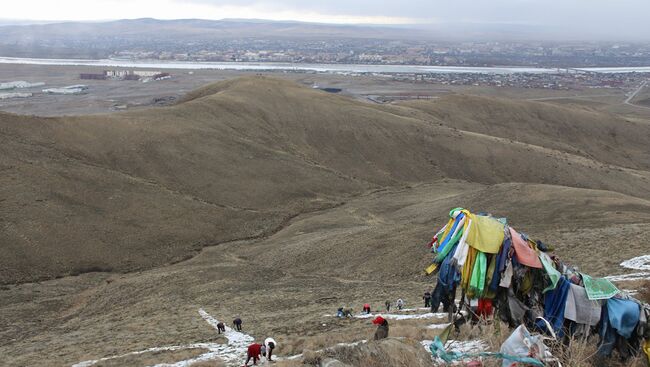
x=237, y=159
x=603, y=137
x=314, y=200
x=370, y=249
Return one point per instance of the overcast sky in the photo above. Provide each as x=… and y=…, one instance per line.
x=577, y=16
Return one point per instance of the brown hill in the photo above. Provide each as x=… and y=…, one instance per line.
x=334, y=199
x=595, y=135
x=369, y=249
x=238, y=159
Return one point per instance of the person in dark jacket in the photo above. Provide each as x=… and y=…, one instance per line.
x=348, y=312
x=237, y=324
x=221, y=327
x=387, y=306
x=382, y=328
x=427, y=299
x=339, y=312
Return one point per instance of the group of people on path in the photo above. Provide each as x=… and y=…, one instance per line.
x=236, y=324
x=255, y=351
x=431, y=300
x=399, y=304
x=382, y=323
x=347, y=312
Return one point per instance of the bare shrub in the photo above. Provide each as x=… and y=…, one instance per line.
x=209, y=364
x=644, y=291
x=387, y=352
x=574, y=353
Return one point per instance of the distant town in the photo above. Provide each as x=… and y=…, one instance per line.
x=562, y=80
x=400, y=52
x=196, y=40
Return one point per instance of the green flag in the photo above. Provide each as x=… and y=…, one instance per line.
x=599, y=288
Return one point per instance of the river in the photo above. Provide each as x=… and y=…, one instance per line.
x=331, y=68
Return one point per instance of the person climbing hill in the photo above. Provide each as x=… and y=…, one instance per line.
x=221, y=327
x=253, y=352
x=400, y=304
x=237, y=324
x=427, y=299
x=270, y=344
x=387, y=303
x=366, y=308
x=348, y=312
x=382, y=328
x=339, y=312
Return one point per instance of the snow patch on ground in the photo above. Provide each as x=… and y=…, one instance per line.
x=437, y=326
x=392, y=316
x=232, y=353
x=637, y=263
x=412, y=309
x=630, y=292
x=629, y=277
x=467, y=346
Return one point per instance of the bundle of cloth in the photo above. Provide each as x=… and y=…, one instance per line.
x=524, y=282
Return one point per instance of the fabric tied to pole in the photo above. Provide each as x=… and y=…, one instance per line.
x=438, y=351
x=623, y=316
x=486, y=234
x=580, y=309
x=554, y=306
x=524, y=254
x=553, y=274
x=451, y=232
x=477, y=282
x=599, y=288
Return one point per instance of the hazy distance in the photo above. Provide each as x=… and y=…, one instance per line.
x=621, y=20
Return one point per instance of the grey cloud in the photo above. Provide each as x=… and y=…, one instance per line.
x=576, y=16
x=486, y=10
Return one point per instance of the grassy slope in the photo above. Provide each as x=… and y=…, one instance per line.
x=367, y=250
x=237, y=159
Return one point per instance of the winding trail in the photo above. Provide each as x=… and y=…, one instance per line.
x=231, y=353
x=629, y=99
x=637, y=263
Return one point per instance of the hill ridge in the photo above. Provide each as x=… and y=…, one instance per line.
x=138, y=189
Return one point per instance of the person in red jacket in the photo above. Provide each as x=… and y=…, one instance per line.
x=254, y=352
x=382, y=328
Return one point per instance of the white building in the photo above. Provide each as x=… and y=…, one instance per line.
x=19, y=84
x=146, y=73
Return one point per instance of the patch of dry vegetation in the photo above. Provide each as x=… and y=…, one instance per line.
x=386, y=352
x=354, y=332
x=644, y=291
x=209, y=364
x=571, y=353
x=152, y=358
